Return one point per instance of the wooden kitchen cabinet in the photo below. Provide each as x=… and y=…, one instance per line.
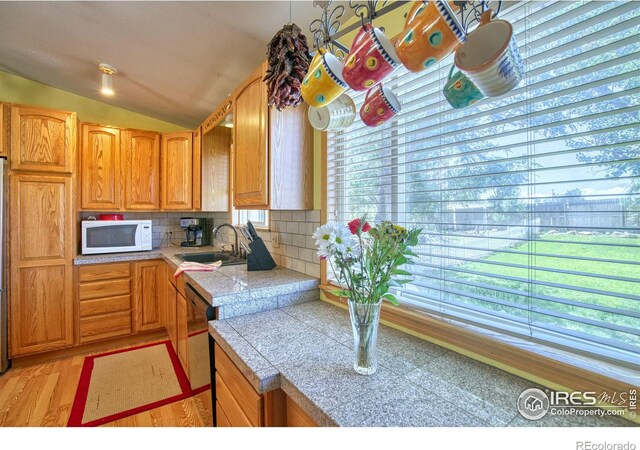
x=140, y=155
x=196, y=181
x=251, y=143
x=42, y=140
x=104, y=301
x=176, y=190
x=182, y=332
x=100, y=170
x=5, y=123
x=273, y=151
x=41, y=289
x=170, y=310
x=148, y=293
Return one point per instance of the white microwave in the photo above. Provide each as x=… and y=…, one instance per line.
x=114, y=236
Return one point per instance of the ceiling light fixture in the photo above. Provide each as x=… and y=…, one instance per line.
x=107, y=78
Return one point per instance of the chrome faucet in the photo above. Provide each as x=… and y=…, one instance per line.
x=216, y=231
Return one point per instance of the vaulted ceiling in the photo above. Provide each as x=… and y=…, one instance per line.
x=176, y=60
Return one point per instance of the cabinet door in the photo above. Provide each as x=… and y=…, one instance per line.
x=41, y=307
x=291, y=159
x=170, y=308
x=5, y=111
x=141, y=163
x=251, y=146
x=177, y=171
x=182, y=332
x=100, y=178
x=148, y=292
x=42, y=140
x=197, y=169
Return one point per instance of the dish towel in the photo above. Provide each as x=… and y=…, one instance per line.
x=196, y=267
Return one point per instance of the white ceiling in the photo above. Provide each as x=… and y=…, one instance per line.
x=176, y=60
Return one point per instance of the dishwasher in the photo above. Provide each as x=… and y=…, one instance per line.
x=201, y=345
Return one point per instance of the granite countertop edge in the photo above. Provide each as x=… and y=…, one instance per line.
x=228, y=285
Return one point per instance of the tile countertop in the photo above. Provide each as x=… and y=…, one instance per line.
x=306, y=350
x=233, y=289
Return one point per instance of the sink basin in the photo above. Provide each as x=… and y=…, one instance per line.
x=211, y=257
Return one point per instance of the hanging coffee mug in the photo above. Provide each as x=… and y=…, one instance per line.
x=338, y=115
x=490, y=57
x=431, y=32
x=323, y=82
x=372, y=57
x=380, y=104
x=460, y=91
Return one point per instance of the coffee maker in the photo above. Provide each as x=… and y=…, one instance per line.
x=194, y=229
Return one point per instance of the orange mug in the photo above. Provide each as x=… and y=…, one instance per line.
x=380, y=104
x=431, y=32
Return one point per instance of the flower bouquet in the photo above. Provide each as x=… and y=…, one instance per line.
x=366, y=262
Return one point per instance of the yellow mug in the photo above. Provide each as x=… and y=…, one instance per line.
x=324, y=82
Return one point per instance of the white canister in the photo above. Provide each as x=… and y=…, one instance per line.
x=336, y=115
x=490, y=57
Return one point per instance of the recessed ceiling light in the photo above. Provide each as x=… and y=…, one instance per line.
x=107, y=79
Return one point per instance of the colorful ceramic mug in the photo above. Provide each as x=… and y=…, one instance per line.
x=323, y=82
x=490, y=57
x=460, y=91
x=372, y=57
x=380, y=104
x=431, y=32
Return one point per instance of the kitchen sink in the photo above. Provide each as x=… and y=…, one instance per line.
x=211, y=257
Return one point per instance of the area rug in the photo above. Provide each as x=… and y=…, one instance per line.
x=125, y=382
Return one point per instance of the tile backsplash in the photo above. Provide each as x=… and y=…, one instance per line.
x=295, y=249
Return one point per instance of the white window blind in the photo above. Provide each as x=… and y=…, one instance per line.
x=530, y=202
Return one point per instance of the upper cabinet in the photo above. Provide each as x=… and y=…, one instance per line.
x=177, y=171
x=5, y=121
x=217, y=143
x=141, y=163
x=273, y=151
x=251, y=140
x=42, y=140
x=100, y=168
x=132, y=170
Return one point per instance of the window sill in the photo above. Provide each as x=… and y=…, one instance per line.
x=547, y=366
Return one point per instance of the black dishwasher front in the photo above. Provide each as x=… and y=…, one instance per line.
x=201, y=344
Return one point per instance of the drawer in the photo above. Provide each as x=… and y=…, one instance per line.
x=105, y=305
x=234, y=414
x=105, y=326
x=98, y=272
x=247, y=399
x=221, y=417
x=99, y=289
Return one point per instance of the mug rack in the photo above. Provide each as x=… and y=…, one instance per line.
x=327, y=29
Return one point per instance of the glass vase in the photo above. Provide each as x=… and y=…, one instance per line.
x=364, y=323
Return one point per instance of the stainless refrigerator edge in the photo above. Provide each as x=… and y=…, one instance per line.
x=4, y=342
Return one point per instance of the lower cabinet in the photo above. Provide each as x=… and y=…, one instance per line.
x=118, y=299
x=238, y=404
x=178, y=315
x=182, y=332
x=104, y=301
x=148, y=294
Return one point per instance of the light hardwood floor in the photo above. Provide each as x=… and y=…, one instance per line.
x=42, y=395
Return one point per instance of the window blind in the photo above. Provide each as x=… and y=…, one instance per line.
x=530, y=202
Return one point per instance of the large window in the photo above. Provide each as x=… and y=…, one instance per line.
x=530, y=202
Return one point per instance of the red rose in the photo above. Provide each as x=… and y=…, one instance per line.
x=366, y=227
x=354, y=225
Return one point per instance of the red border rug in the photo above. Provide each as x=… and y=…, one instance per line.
x=79, y=402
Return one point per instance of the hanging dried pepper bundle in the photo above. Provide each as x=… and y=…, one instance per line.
x=289, y=58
